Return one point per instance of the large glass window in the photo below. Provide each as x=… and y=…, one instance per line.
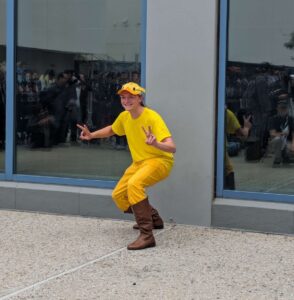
x=259, y=97
x=2, y=80
x=72, y=56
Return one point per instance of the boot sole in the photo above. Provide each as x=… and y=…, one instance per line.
x=155, y=227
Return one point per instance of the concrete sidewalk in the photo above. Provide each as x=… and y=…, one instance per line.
x=60, y=257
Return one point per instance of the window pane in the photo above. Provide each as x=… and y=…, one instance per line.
x=2, y=80
x=72, y=57
x=260, y=90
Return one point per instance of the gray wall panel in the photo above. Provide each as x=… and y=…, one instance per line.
x=100, y=206
x=181, y=68
x=256, y=216
x=47, y=201
x=7, y=198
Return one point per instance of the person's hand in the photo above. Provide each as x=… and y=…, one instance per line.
x=247, y=123
x=85, y=134
x=150, y=138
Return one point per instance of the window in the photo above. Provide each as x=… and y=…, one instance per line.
x=72, y=56
x=260, y=90
x=2, y=81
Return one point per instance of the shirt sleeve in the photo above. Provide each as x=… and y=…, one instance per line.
x=117, y=126
x=232, y=122
x=160, y=129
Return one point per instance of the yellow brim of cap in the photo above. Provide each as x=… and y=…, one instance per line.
x=132, y=91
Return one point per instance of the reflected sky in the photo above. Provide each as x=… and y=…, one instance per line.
x=258, y=31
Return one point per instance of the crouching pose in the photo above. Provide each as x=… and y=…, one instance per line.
x=151, y=146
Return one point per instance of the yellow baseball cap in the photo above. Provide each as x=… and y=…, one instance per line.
x=132, y=88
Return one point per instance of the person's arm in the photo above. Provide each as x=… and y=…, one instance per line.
x=166, y=144
x=274, y=133
x=98, y=134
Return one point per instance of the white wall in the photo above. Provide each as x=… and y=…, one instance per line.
x=81, y=26
x=181, y=81
x=259, y=29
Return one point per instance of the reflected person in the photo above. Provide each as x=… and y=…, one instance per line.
x=282, y=132
x=233, y=127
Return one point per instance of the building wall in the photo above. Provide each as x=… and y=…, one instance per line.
x=181, y=85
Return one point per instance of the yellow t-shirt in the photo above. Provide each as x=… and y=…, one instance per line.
x=232, y=122
x=132, y=129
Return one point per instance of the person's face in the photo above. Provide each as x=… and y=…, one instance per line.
x=35, y=76
x=82, y=77
x=68, y=76
x=135, y=77
x=62, y=81
x=124, y=77
x=28, y=76
x=129, y=101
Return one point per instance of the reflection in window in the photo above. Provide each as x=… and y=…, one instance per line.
x=2, y=80
x=69, y=68
x=259, y=97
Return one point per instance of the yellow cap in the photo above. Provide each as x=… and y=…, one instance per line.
x=132, y=88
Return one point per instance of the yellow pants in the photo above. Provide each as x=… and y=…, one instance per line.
x=130, y=189
x=228, y=165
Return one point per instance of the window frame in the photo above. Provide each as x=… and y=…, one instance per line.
x=221, y=101
x=10, y=150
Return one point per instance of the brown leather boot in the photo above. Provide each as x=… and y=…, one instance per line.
x=142, y=212
x=156, y=220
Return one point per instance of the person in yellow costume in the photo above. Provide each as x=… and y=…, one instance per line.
x=234, y=127
x=152, y=147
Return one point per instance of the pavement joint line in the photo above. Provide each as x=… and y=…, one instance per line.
x=72, y=270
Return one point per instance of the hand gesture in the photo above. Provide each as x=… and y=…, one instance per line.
x=247, y=123
x=150, y=138
x=85, y=134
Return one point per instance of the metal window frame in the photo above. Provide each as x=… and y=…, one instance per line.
x=10, y=84
x=220, y=192
x=10, y=151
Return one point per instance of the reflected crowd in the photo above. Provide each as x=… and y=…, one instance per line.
x=261, y=95
x=51, y=104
